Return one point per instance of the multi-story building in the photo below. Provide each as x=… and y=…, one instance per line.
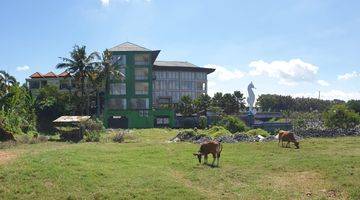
x=134, y=99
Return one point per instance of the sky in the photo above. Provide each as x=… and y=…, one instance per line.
x=284, y=47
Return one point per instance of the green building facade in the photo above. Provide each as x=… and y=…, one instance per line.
x=129, y=99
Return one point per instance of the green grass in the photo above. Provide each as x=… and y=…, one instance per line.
x=148, y=167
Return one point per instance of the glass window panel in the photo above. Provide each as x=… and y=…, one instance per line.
x=117, y=103
x=142, y=59
x=141, y=88
x=117, y=88
x=141, y=73
x=34, y=84
x=140, y=103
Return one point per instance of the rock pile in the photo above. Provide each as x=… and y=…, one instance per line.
x=328, y=132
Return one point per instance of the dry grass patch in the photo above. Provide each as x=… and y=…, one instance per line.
x=6, y=156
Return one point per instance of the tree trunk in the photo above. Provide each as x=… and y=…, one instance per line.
x=97, y=103
x=82, y=96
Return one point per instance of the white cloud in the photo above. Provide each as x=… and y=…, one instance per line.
x=330, y=95
x=223, y=74
x=288, y=72
x=23, y=68
x=105, y=3
x=348, y=76
x=323, y=83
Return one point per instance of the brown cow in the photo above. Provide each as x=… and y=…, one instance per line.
x=206, y=148
x=288, y=137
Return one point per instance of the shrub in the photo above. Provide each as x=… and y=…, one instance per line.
x=119, y=137
x=202, y=122
x=307, y=121
x=73, y=134
x=93, y=125
x=217, y=131
x=258, y=131
x=233, y=124
x=340, y=116
x=92, y=136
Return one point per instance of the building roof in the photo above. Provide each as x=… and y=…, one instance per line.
x=70, y=119
x=36, y=75
x=50, y=75
x=128, y=46
x=174, y=64
x=180, y=65
x=64, y=74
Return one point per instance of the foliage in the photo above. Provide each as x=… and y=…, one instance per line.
x=74, y=134
x=229, y=103
x=6, y=81
x=278, y=103
x=217, y=131
x=240, y=99
x=185, y=106
x=202, y=122
x=51, y=104
x=93, y=128
x=354, y=105
x=233, y=124
x=340, y=116
x=17, y=110
x=81, y=66
x=119, y=137
x=307, y=120
x=202, y=104
x=258, y=131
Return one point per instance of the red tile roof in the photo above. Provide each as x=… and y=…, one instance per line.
x=50, y=75
x=36, y=75
x=64, y=74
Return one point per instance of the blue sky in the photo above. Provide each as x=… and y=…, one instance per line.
x=284, y=47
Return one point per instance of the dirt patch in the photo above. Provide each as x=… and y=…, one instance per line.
x=308, y=184
x=5, y=157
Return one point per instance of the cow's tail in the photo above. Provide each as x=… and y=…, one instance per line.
x=221, y=147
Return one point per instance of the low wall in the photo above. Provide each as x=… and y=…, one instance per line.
x=328, y=132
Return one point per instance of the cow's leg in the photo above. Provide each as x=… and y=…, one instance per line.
x=214, y=158
x=288, y=144
x=282, y=143
x=205, y=159
x=218, y=159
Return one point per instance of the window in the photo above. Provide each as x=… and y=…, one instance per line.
x=140, y=103
x=201, y=86
x=162, y=121
x=142, y=59
x=141, y=88
x=141, y=73
x=173, y=85
x=187, y=85
x=117, y=103
x=117, y=88
x=144, y=113
x=43, y=83
x=64, y=84
x=119, y=60
x=34, y=84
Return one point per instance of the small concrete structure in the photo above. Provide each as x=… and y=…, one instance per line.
x=71, y=119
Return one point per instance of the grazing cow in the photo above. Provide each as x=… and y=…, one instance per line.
x=206, y=148
x=288, y=137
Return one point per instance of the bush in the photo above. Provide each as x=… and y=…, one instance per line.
x=202, y=122
x=232, y=124
x=307, y=121
x=217, y=131
x=340, y=116
x=92, y=136
x=119, y=137
x=258, y=131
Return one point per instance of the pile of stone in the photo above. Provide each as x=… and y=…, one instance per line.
x=191, y=136
x=328, y=132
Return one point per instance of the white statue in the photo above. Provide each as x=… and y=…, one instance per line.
x=251, y=98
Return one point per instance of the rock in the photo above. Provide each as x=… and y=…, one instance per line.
x=240, y=137
x=270, y=138
x=226, y=139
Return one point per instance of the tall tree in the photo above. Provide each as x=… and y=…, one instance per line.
x=6, y=80
x=217, y=100
x=230, y=105
x=81, y=66
x=101, y=75
x=185, y=106
x=240, y=99
x=202, y=104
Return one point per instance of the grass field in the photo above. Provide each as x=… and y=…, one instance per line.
x=148, y=167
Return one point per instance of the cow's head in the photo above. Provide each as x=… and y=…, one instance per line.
x=198, y=154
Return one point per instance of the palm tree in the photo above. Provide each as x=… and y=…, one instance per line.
x=101, y=75
x=81, y=66
x=6, y=80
